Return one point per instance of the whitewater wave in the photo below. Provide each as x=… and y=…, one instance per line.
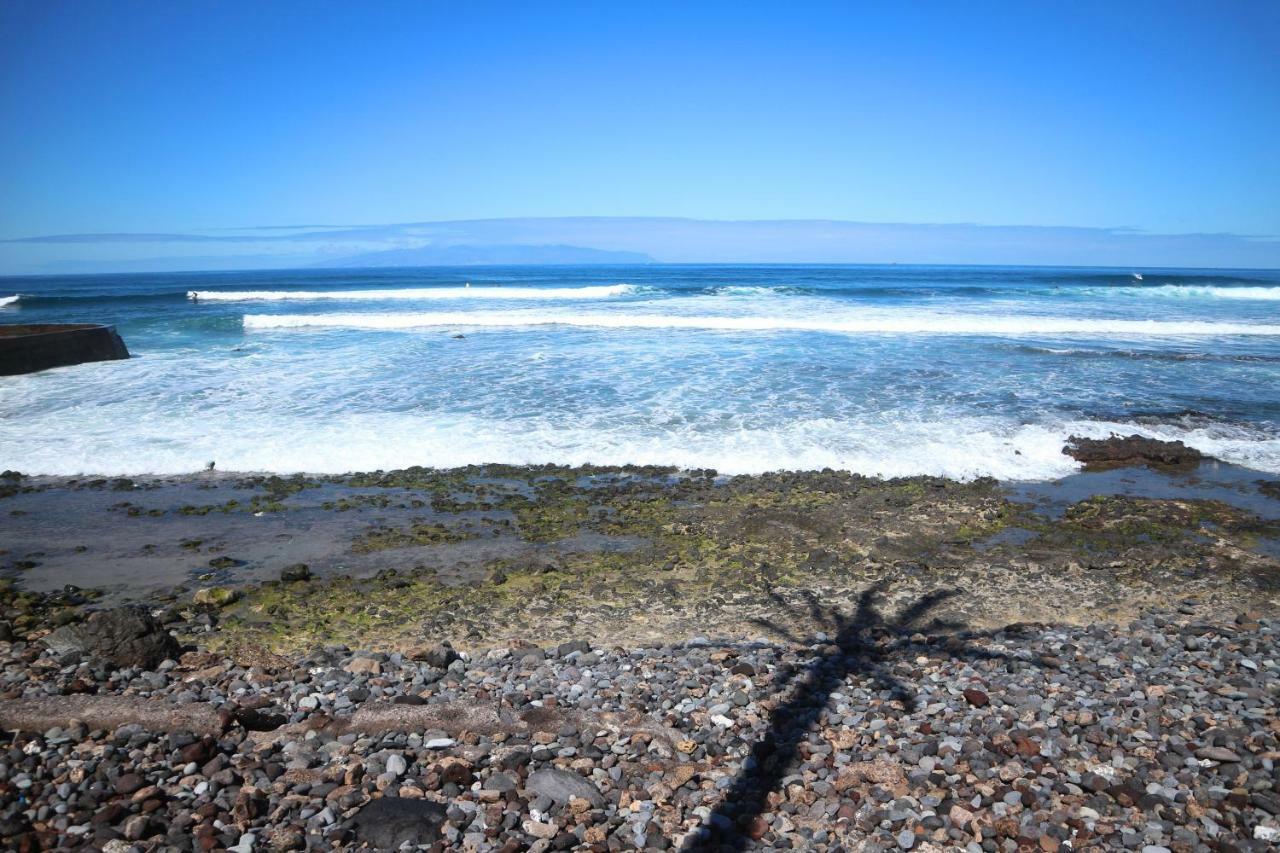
x=414, y=294
x=361, y=405
x=1192, y=291
x=6, y=301
x=962, y=448
x=757, y=290
x=906, y=324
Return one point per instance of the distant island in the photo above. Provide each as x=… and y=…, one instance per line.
x=477, y=255
x=533, y=241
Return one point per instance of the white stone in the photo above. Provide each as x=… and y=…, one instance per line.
x=538, y=829
x=245, y=844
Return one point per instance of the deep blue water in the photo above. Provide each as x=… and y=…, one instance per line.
x=879, y=369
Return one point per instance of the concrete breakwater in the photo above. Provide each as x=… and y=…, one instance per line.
x=30, y=348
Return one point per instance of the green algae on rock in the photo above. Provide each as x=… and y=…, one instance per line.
x=416, y=534
x=215, y=596
x=706, y=554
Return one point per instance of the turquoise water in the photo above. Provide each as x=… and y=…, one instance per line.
x=888, y=370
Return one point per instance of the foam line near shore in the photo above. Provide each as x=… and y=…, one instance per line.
x=905, y=324
x=413, y=294
x=1190, y=291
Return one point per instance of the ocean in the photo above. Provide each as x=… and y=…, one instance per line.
x=882, y=370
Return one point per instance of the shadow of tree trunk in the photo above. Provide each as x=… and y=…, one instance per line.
x=854, y=651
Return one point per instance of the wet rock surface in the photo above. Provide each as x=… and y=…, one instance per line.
x=535, y=533
x=706, y=554
x=1119, y=451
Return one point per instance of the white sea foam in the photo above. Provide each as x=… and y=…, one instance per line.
x=300, y=412
x=414, y=294
x=1192, y=291
x=882, y=323
x=6, y=301
x=750, y=290
x=963, y=447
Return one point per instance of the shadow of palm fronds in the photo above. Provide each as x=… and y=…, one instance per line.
x=862, y=644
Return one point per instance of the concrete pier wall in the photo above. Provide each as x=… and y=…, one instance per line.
x=28, y=348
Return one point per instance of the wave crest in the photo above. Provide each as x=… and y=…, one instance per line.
x=1194, y=291
x=960, y=447
x=414, y=294
x=906, y=324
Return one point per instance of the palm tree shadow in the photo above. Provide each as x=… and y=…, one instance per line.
x=856, y=650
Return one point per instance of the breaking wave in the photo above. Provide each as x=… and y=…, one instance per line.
x=905, y=324
x=766, y=290
x=414, y=293
x=893, y=371
x=1190, y=291
x=6, y=301
x=962, y=447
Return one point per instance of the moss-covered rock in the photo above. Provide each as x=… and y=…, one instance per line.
x=215, y=596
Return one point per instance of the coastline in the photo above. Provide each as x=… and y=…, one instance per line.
x=502, y=658
x=631, y=554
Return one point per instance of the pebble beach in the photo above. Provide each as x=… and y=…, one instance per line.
x=650, y=659
x=1161, y=734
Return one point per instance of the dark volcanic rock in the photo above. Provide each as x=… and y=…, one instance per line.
x=566, y=649
x=296, y=572
x=260, y=720
x=128, y=783
x=439, y=656
x=562, y=786
x=126, y=636
x=389, y=822
x=1120, y=451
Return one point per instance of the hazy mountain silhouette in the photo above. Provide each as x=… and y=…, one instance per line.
x=492, y=254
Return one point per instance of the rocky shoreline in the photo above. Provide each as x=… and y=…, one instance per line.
x=551, y=658
x=1161, y=734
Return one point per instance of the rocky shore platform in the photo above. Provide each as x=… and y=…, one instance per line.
x=553, y=658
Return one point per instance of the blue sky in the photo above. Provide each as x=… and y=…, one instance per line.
x=197, y=116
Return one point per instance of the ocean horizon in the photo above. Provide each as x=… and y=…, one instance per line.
x=888, y=370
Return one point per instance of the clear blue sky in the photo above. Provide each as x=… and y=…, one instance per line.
x=164, y=116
